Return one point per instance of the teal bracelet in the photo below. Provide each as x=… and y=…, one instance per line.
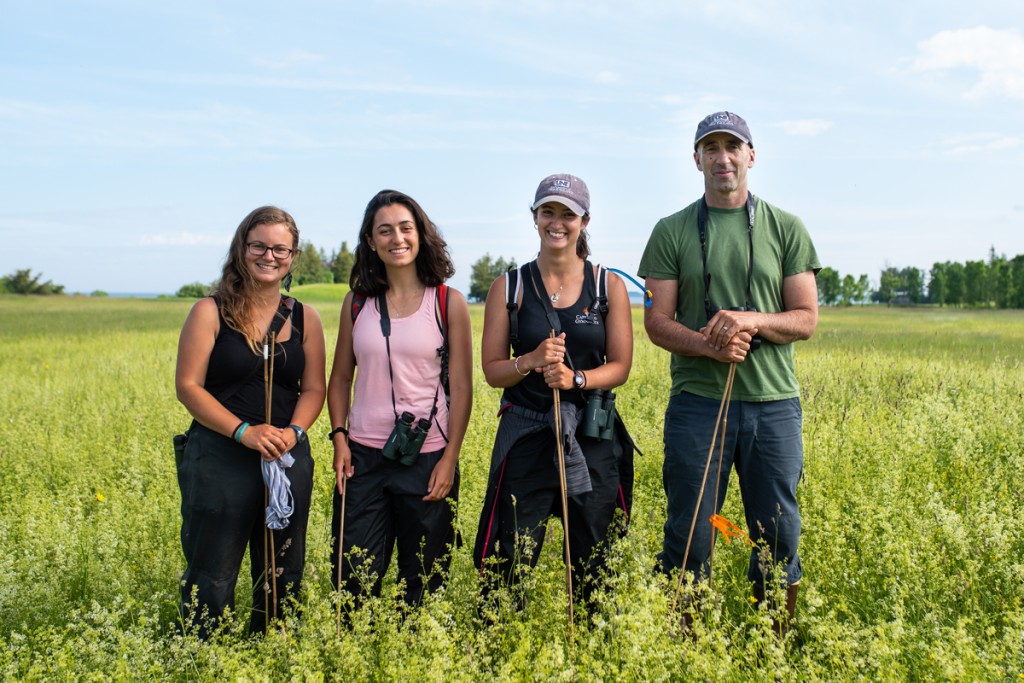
x=241, y=430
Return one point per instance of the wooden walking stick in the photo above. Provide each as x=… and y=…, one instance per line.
x=268, y=534
x=565, y=503
x=726, y=396
x=341, y=536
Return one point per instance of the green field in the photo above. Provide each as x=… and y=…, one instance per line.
x=913, y=508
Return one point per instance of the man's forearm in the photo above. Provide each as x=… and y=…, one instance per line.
x=674, y=336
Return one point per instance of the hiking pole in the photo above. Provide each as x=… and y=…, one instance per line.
x=726, y=396
x=341, y=536
x=268, y=534
x=565, y=501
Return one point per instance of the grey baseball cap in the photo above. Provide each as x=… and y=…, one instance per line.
x=723, y=122
x=565, y=189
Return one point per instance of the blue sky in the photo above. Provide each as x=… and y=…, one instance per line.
x=134, y=136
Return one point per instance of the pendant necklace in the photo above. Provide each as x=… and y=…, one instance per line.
x=555, y=297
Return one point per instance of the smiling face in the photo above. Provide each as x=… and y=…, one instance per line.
x=267, y=268
x=724, y=160
x=558, y=225
x=394, y=236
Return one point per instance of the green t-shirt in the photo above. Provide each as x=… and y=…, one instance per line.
x=782, y=247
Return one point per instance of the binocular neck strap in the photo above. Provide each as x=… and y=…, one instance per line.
x=702, y=229
x=385, y=330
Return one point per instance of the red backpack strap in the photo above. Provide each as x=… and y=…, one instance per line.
x=357, y=304
x=442, y=303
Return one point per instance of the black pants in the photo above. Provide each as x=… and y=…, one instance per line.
x=384, y=507
x=222, y=512
x=528, y=492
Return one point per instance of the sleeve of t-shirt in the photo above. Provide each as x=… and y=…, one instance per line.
x=801, y=255
x=661, y=255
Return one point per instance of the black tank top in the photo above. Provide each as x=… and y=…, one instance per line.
x=584, y=339
x=232, y=360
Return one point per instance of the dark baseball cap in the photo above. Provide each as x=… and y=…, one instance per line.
x=565, y=189
x=723, y=122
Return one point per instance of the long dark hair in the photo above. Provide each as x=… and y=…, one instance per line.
x=433, y=262
x=237, y=285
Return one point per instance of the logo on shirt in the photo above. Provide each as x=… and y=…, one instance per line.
x=588, y=317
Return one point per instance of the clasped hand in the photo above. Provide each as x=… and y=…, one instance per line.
x=728, y=335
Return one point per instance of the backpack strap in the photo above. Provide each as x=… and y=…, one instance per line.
x=441, y=317
x=358, y=300
x=513, y=283
x=602, y=291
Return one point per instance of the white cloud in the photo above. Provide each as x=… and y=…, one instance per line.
x=804, y=127
x=978, y=143
x=997, y=56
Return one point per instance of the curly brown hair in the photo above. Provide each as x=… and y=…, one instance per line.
x=433, y=262
x=237, y=285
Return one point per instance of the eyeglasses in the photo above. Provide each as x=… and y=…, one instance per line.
x=259, y=249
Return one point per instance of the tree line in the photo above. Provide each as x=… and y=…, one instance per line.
x=312, y=266
x=997, y=282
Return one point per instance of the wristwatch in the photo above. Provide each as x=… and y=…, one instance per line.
x=579, y=380
x=300, y=433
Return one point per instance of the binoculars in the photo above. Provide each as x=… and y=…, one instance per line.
x=599, y=415
x=406, y=439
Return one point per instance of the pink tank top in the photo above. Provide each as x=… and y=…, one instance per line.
x=416, y=368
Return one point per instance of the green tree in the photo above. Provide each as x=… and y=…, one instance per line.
x=912, y=284
x=1000, y=280
x=956, y=283
x=889, y=286
x=975, y=285
x=1017, y=281
x=310, y=266
x=863, y=288
x=848, y=290
x=937, y=284
x=195, y=290
x=828, y=286
x=23, y=282
x=341, y=267
x=483, y=273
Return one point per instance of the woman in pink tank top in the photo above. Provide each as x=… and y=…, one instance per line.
x=404, y=349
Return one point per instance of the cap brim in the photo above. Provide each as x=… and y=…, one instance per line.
x=722, y=130
x=564, y=201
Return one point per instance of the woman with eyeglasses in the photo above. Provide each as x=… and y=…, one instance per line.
x=396, y=438
x=243, y=351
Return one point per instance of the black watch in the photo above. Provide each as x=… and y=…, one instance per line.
x=578, y=380
x=300, y=433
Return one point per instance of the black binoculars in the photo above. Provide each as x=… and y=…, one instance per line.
x=406, y=439
x=599, y=415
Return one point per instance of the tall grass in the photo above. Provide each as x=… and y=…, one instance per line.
x=912, y=503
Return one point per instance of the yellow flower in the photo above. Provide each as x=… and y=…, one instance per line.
x=100, y=497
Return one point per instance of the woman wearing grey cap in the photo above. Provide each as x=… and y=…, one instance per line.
x=568, y=326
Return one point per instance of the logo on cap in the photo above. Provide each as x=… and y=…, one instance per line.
x=559, y=182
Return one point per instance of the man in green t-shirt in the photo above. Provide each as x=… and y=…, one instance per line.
x=733, y=282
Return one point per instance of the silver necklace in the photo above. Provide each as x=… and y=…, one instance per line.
x=555, y=297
